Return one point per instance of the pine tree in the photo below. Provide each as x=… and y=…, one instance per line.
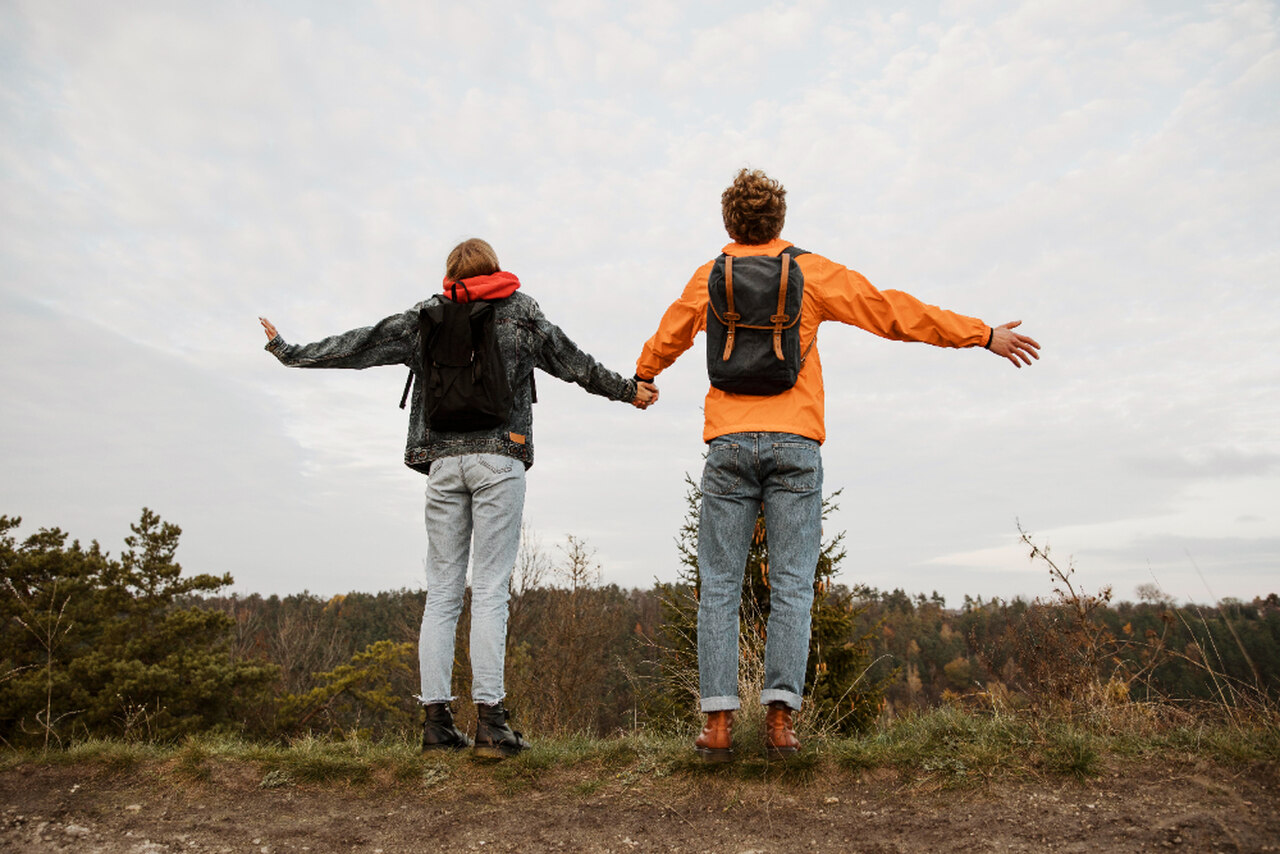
x=369, y=695
x=95, y=646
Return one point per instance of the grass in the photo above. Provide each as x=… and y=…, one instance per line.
x=112, y=755
x=946, y=747
x=1073, y=752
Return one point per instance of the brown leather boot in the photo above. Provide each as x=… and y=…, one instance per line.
x=780, y=740
x=715, y=744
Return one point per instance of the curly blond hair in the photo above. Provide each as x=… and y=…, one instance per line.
x=754, y=207
x=474, y=257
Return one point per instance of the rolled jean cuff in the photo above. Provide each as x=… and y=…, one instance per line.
x=424, y=701
x=771, y=695
x=721, y=704
x=485, y=701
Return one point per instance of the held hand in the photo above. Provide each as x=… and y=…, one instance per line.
x=646, y=395
x=1019, y=349
x=268, y=328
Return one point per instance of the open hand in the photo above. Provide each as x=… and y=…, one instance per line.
x=268, y=328
x=1019, y=349
x=646, y=395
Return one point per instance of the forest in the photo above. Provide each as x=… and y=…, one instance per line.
x=94, y=645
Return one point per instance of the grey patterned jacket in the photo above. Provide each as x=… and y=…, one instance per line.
x=527, y=340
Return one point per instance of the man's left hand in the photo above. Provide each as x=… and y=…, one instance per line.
x=1017, y=348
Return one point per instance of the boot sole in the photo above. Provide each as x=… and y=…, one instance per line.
x=442, y=746
x=492, y=752
x=715, y=755
x=780, y=753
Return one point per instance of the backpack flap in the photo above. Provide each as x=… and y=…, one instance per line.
x=452, y=329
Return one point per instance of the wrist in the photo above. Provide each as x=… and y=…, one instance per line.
x=991, y=336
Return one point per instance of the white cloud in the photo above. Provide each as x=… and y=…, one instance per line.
x=1206, y=543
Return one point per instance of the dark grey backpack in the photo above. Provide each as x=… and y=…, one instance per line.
x=753, y=323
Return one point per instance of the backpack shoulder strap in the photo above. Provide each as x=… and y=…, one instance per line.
x=731, y=317
x=408, y=381
x=795, y=252
x=424, y=327
x=408, y=384
x=780, y=318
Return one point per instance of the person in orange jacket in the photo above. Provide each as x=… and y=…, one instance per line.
x=763, y=455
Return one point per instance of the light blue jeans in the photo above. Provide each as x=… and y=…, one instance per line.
x=476, y=499
x=780, y=473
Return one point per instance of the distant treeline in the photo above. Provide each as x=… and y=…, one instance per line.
x=1192, y=652
x=92, y=645
x=590, y=659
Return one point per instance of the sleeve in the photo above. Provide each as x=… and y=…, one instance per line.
x=849, y=298
x=559, y=356
x=391, y=341
x=680, y=325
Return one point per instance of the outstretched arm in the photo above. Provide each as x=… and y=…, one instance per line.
x=389, y=342
x=680, y=324
x=1017, y=348
x=559, y=356
x=901, y=317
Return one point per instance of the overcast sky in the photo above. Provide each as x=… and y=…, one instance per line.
x=1104, y=170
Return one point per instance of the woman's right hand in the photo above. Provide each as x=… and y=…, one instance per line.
x=268, y=328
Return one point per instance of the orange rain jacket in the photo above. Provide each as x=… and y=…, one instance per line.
x=831, y=292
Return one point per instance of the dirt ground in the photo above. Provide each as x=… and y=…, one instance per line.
x=1191, y=807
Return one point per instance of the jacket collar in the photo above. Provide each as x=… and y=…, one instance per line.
x=742, y=250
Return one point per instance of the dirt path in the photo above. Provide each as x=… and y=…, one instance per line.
x=155, y=810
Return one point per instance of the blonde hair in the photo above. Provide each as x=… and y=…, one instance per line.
x=474, y=257
x=754, y=207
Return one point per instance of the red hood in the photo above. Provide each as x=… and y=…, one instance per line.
x=493, y=286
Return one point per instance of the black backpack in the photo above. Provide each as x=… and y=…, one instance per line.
x=753, y=323
x=462, y=377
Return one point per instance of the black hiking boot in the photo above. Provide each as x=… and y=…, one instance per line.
x=495, y=739
x=438, y=731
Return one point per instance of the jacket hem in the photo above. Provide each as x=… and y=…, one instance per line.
x=420, y=459
x=796, y=429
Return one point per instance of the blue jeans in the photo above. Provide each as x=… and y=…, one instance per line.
x=780, y=473
x=476, y=498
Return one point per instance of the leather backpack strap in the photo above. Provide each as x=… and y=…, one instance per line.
x=731, y=317
x=780, y=319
